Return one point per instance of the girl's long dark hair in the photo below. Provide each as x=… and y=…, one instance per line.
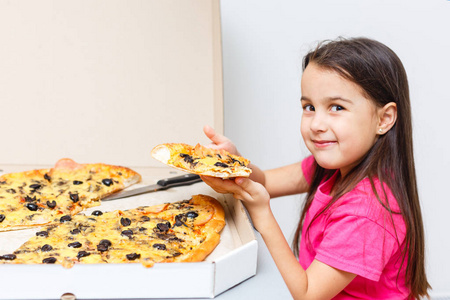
x=381, y=75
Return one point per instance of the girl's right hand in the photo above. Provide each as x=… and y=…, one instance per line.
x=219, y=141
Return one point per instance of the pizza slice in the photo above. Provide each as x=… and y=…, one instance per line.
x=184, y=231
x=202, y=160
x=37, y=197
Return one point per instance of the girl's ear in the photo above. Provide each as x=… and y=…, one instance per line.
x=387, y=116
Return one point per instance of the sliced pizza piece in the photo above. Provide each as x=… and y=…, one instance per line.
x=37, y=197
x=202, y=160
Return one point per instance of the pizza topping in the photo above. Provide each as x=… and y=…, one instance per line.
x=65, y=218
x=125, y=222
x=11, y=191
x=47, y=177
x=74, y=245
x=46, y=248
x=133, y=256
x=192, y=214
x=127, y=233
x=104, y=245
x=51, y=204
x=32, y=206
x=163, y=226
x=159, y=246
x=8, y=257
x=49, y=260
x=82, y=254
x=2, y=217
x=77, y=182
x=75, y=231
x=222, y=165
x=97, y=213
x=35, y=186
x=74, y=197
x=107, y=181
x=42, y=233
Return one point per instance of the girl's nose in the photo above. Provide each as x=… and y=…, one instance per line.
x=318, y=122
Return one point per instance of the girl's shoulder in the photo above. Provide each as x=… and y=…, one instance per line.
x=374, y=201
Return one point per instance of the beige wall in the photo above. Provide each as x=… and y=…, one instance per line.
x=105, y=81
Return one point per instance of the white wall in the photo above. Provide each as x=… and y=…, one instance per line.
x=263, y=43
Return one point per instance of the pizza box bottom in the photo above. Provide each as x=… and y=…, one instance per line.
x=233, y=261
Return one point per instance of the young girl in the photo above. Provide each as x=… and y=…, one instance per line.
x=360, y=234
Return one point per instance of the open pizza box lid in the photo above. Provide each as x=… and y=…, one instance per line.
x=106, y=81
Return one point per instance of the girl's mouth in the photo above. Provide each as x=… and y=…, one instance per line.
x=323, y=143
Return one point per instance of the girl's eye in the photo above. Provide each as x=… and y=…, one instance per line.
x=336, y=108
x=308, y=107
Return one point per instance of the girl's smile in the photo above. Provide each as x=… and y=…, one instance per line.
x=339, y=123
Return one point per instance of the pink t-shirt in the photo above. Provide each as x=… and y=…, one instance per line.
x=356, y=235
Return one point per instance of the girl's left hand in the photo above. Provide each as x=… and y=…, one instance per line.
x=254, y=195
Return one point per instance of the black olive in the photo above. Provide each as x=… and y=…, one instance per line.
x=107, y=243
x=65, y=218
x=159, y=246
x=42, y=233
x=104, y=245
x=46, y=248
x=74, y=245
x=75, y=231
x=11, y=191
x=77, y=182
x=127, y=233
x=192, y=214
x=133, y=256
x=163, y=226
x=47, y=177
x=180, y=219
x=29, y=199
x=82, y=254
x=2, y=217
x=49, y=260
x=32, y=206
x=125, y=222
x=142, y=229
x=145, y=219
x=35, y=186
x=51, y=204
x=107, y=181
x=74, y=197
x=8, y=257
x=97, y=213
x=220, y=164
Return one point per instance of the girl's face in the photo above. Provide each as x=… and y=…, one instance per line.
x=339, y=124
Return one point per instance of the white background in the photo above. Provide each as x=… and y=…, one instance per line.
x=263, y=44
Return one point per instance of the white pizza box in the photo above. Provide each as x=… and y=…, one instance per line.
x=233, y=261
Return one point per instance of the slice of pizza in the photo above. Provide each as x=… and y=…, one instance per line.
x=202, y=160
x=37, y=197
x=184, y=231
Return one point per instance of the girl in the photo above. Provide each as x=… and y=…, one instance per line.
x=360, y=234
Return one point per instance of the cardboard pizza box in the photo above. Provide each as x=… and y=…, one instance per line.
x=233, y=261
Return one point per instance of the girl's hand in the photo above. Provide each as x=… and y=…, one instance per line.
x=254, y=196
x=219, y=141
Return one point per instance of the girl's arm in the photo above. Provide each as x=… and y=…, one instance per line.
x=319, y=281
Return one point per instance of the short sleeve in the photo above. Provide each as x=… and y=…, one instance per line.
x=308, y=168
x=357, y=245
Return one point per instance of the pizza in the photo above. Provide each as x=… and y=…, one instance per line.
x=37, y=197
x=202, y=160
x=183, y=231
